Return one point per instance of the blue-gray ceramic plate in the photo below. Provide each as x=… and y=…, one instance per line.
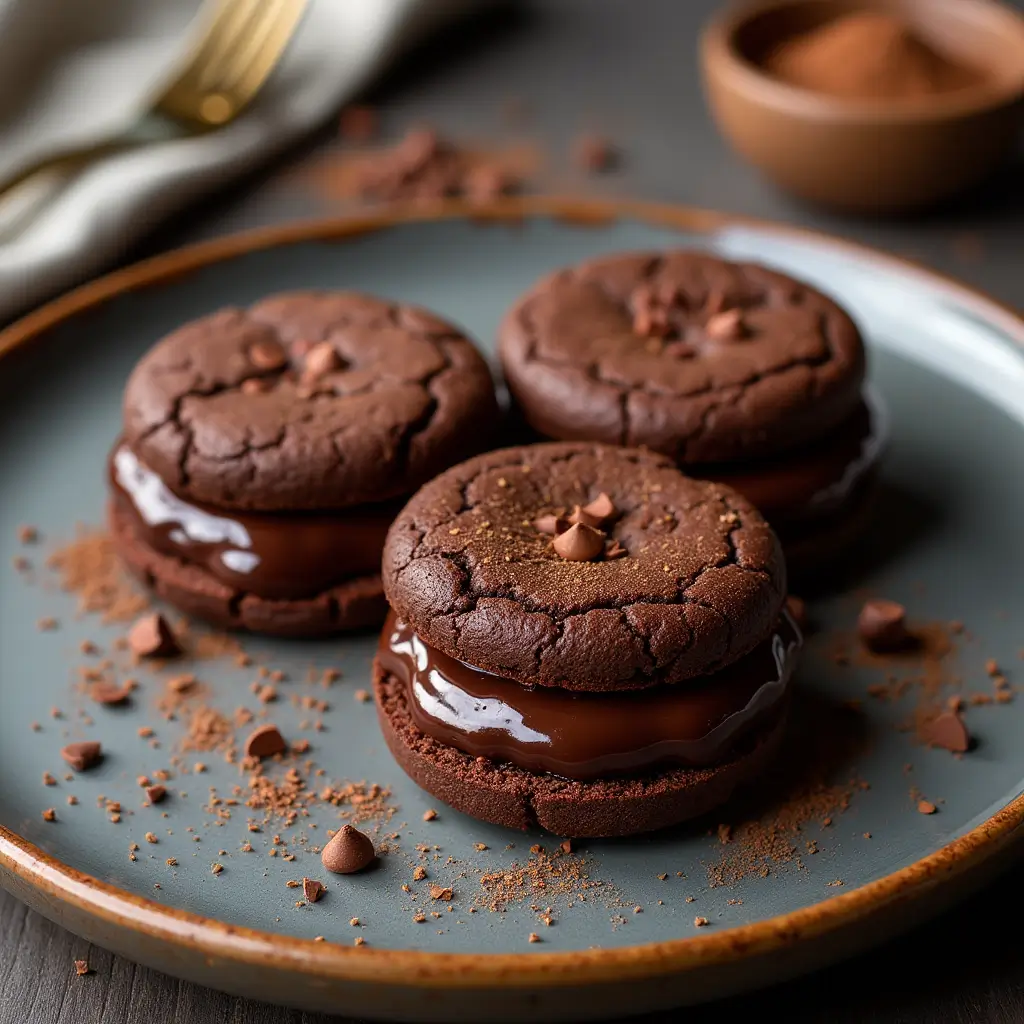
x=847, y=860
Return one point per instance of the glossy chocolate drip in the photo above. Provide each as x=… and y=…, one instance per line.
x=586, y=736
x=280, y=556
x=815, y=480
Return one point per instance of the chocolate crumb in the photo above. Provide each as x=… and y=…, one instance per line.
x=152, y=637
x=266, y=741
x=354, y=922
x=312, y=889
x=440, y=892
x=419, y=873
x=882, y=626
x=50, y=814
x=360, y=941
x=948, y=731
x=358, y=123
x=109, y=694
x=151, y=838
x=217, y=868
x=363, y=696
x=594, y=154
x=82, y=968
x=534, y=937
x=48, y=779
x=81, y=756
x=926, y=807
x=700, y=922
x=429, y=815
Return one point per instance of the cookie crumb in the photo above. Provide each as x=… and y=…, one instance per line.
x=926, y=807
x=700, y=922
x=429, y=815
x=534, y=937
x=82, y=968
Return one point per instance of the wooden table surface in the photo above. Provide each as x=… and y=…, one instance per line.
x=629, y=71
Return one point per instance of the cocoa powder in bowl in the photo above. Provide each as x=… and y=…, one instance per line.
x=867, y=55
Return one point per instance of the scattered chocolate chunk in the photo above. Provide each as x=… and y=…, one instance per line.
x=926, y=807
x=82, y=968
x=429, y=815
x=565, y=846
x=797, y=608
x=182, y=683
x=312, y=889
x=50, y=814
x=602, y=508
x=947, y=731
x=217, y=868
x=152, y=637
x=48, y=779
x=358, y=124
x=348, y=851
x=700, y=922
x=441, y=892
x=107, y=693
x=156, y=794
x=882, y=625
x=594, y=154
x=552, y=526
x=82, y=755
x=534, y=937
x=268, y=355
x=266, y=741
x=419, y=873
x=580, y=543
x=727, y=326
x=321, y=360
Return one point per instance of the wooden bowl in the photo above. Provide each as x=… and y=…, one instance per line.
x=869, y=156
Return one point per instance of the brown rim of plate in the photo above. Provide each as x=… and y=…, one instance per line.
x=55, y=880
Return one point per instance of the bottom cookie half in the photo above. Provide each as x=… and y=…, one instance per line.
x=354, y=604
x=509, y=796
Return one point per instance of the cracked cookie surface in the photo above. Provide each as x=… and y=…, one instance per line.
x=702, y=581
x=690, y=355
x=225, y=411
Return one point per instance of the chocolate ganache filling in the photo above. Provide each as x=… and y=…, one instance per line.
x=276, y=555
x=584, y=736
x=814, y=480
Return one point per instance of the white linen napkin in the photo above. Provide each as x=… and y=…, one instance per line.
x=80, y=72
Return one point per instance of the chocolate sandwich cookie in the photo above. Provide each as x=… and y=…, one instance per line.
x=583, y=638
x=740, y=373
x=266, y=451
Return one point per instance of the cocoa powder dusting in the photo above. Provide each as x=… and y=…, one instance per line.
x=88, y=566
x=766, y=830
x=555, y=876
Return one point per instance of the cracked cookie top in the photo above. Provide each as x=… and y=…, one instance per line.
x=690, y=355
x=308, y=400
x=687, y=578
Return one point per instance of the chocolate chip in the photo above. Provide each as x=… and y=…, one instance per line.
x=882, y=625
x=348, y=851
x=321, y=360
x=551, y=525
x=727, y=326
x=312, y=889
x=602, y=508
x=797, y=608
x=82, y=755
x=266, y=741
x=155, y=794
x=926, y=807
x=268, y=355
x=580, y=543
x=580, y=515
x=152, y=637
x=615, y=550
x=947, y=731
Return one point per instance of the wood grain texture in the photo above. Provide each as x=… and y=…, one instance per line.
x=966, y=967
